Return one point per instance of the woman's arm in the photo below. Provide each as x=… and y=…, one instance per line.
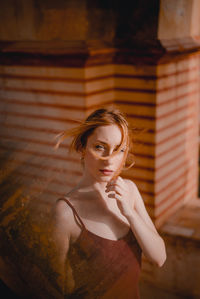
x=132, y=207
x=150, y=241
x=59, y=234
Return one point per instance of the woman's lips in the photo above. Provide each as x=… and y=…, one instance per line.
x=106, y=171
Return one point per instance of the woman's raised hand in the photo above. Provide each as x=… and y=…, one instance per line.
x=121, y=190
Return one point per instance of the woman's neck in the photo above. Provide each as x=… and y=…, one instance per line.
x=89, y=183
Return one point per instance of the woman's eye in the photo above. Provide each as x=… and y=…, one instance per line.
x=122, y=150
x=99, y=147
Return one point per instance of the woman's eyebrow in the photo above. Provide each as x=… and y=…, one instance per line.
x=105, y=142
x=101, y=141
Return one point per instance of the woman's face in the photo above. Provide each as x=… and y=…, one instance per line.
x=103, y=142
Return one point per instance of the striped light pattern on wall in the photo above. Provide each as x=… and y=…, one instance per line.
x=176, y=168
x=36, y=104
x=161, y=101
x=135, y=94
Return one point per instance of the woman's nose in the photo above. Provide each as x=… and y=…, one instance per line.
x=109, y=159
x=108, y=164
x=108, y=153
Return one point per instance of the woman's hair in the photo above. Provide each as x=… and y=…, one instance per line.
x=100, y=117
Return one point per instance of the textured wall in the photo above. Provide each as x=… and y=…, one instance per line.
x=43, y=20
x=37, y=103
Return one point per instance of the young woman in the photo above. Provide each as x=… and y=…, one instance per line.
x=101, y=227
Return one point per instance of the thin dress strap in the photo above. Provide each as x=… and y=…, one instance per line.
x=74, y=210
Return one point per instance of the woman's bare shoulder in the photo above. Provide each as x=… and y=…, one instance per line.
x=62, y=213
x=61, y=205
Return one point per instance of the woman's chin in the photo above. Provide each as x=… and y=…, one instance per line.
x=105, y=178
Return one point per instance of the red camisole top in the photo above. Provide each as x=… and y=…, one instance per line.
x=104, y=268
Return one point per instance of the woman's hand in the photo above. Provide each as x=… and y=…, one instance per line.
x=121, y=191
x=132, y=207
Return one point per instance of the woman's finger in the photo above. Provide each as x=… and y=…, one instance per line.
x=118, y=197
x=115, y=185
x=116, y=189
